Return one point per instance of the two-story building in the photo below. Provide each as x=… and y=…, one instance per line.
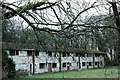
x=37, y=59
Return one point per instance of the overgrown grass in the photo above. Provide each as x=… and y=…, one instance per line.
x=111, y=72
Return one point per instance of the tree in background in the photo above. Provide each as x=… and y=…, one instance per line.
x=8, y=66
x=78, y=24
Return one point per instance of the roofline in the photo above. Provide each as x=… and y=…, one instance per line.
x=21, y=46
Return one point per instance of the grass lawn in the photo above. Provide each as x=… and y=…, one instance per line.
x=111, y=72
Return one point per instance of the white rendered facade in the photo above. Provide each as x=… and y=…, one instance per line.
x=50, y=61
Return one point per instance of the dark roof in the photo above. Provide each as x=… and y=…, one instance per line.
x=21, y=46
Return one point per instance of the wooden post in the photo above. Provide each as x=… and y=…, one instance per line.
x=60, y=61
x=33, y=60
x=93, y=60
x=79, y=61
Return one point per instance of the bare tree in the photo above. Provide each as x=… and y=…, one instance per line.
x=74, y=22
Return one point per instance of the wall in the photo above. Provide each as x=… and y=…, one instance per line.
x=23, y=61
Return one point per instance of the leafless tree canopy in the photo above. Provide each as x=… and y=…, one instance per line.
x=66, y=23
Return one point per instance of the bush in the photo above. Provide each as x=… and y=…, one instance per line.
x=21, y=73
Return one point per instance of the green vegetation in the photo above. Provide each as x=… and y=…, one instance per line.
x=91, y=73
x=8, y=66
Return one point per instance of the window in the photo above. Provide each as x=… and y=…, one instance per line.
x=90, y=63
x=54, y=65
x=63, y=54
x=17, y=52
x=49, y=53
x=101, y=63
x=64, y=64
x=55, y=55
x=83, y=63
x=68, y=54
x=96, y=63
x=76, y=54
x=83, y=55
x=12, y=52
x=41, y=65
x=29, y=53
x=36, y=53
x=90, y=55
x=69, y=64
x=87, y=54
x=97, y=55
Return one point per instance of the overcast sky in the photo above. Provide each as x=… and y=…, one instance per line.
x=92, y=11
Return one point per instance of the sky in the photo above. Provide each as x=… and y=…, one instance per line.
x=92, y=11
x=11, y=1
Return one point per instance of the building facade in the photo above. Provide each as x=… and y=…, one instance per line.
x=53, y=60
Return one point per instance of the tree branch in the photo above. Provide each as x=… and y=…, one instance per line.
x=22, y=9
x=92, y=6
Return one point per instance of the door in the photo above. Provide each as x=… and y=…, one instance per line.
x=87, y=65
x=30, y=68
x=49, y=67
x=68, y=66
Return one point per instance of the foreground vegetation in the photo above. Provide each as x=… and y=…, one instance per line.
x=111, y=72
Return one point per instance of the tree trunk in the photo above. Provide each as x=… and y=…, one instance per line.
x=0, y=43
x=60, y=61
x=93, y=60
x=117, y=20
x=79, y=61
x=33, y=59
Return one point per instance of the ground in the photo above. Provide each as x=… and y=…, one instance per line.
x=111, y=72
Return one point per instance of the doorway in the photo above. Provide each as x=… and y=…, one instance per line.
x=49, y=67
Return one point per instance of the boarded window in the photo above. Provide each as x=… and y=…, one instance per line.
x=41, y=65
x=54, y=65
x=83, y=63
x=64, y=65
